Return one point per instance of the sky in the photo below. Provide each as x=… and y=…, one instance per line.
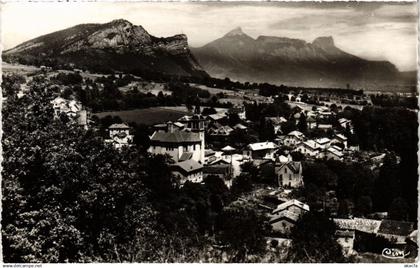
x=375, y=31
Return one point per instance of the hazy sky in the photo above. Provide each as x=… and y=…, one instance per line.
x=380, y=31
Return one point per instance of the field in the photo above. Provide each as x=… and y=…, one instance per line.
x=148, y=116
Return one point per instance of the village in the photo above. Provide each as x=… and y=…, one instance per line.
x=226, y=143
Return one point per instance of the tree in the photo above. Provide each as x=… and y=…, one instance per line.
x=398, y=210
x=241, y=184
x=243, y=229
x=302, y=124
x=67, y=196
x=313, y=240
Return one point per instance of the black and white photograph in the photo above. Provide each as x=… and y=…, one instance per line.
x=209, y=132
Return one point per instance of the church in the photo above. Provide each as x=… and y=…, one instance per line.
x=184, y=143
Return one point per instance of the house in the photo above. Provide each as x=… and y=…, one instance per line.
x=308, y=148
x=293, y=138
x=239, y=110
x=276, y=122
x=283, y=222
x=346, y=123
x=222, y=171
x=345, y=238
x=73, y=109
x=240, y=127
x=261, y=150
x=396, y=231
x=285, y=216
x=324, y=126
x=69, y=107
x=323, y=143
x=119, y=135
x=216, y=117
x=219, y=131
x=311, y=121
x=333, y=153
x=293, y=205
x=188, y=170
x=345, y=234
x=341, y=139
x=289, y=174
x=83, y=119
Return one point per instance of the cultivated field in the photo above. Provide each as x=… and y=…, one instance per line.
x=148, y=116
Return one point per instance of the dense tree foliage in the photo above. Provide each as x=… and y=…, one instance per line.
x=313, y=240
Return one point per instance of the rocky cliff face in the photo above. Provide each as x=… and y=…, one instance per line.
x=289, y=61
x=119, y=45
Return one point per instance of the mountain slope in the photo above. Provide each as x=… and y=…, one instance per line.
x=289, y=61
x=118, y=45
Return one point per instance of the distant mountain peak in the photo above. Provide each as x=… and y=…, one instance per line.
x=120, y=21
x=235, y=32
x=324, y=41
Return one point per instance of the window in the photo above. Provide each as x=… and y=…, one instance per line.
x=194, y=147
x=285, y=171
x=290, y=177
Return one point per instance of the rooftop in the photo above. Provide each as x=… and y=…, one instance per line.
x=188, y=166
x=293, y=165
x=289, y=203
x=177, y=136
x=118, y=126
x=392, y=227
x=262, y=146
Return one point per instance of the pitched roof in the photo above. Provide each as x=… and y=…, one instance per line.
x=341, y=137
x=344, y=224
x=188, y=166
x=228, y=148
x=343, y=120
x=296, y=134
x=262, y=146
x=177, y=136
x=217, y=116
x=335, y=152
x=286, y=214
x=392, y=227
x=239, y=126
x=346, y=233
x=276, y=120
x=323, y=140
x=178, y=124
x=289, y=203
x=118, y=126
x=294, y=166
x=209, y=152
x=310, y=144
x=366, y=225
x=218, y=169
x=185, y=156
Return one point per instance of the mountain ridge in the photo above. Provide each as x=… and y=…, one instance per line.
x=118, y=45
x=283, y=60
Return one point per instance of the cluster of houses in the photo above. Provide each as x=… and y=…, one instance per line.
x=402, y=235
x=317, y=148
x=344, y=99
x=72, y=109
x=184, y=141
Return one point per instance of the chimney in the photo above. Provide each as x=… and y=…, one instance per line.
x=170, y=127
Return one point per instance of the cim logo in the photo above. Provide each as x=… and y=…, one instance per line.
x=394, y=253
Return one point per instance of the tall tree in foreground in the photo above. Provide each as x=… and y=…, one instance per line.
x=313, y=240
